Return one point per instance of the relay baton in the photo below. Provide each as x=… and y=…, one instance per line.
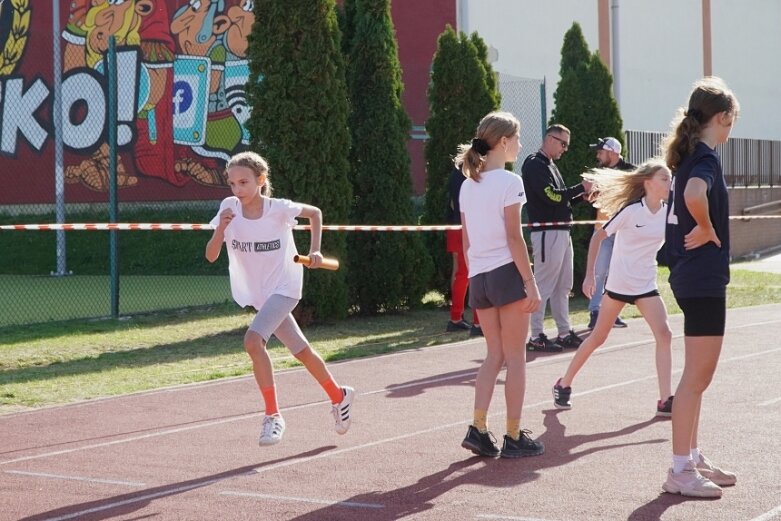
x=327, y=264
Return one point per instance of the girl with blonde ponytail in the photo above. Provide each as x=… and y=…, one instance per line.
x=635, y=204
x=501, y=282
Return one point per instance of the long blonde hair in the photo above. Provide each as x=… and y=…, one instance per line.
x=257, y=164
x=492, y=128
x=709, y=96
x=617, y=188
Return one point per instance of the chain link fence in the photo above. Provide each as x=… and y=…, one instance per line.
x=162, y=133
x=525, y=99
x=178, y=117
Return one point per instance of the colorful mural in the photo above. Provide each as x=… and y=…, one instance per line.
x=182, y=69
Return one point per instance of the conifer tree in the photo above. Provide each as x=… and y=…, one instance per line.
x=298, y=95
x=346, y=16
x=463, y=89
x=585, y=104
x=388, y=270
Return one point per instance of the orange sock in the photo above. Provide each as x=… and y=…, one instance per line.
x=334, y=391
x=270, y=397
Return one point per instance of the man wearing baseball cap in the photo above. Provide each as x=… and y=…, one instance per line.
x=608, y=156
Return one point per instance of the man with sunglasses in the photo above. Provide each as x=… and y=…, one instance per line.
x=549, y=206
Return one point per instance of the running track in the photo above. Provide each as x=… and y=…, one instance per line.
x=190, y=452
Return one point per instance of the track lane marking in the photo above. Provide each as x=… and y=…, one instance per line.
x=771, y=514
x=347, y=504
x=76, y=478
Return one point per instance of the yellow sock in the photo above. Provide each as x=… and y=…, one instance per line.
x=514, y=428
x=481, y=420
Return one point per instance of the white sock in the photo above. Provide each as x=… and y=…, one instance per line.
x=679, y=463
x=696, y=455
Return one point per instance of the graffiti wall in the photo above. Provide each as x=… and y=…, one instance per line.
x=182, y=106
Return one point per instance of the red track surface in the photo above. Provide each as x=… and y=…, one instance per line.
x=190, y=452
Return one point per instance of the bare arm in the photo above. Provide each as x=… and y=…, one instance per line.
x=214, y=246
x=464, y=239
x=589, y=281
x=520, y=255
x=695, y=195
x=315, y=217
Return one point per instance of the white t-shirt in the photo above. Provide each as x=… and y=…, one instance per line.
x=483, y=204
x=261, y=252
x=639, y=235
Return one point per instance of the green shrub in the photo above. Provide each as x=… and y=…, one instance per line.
x=463, y=89
x=585, y=104
x=299, y=123
x=87, y=252
x=388, y=271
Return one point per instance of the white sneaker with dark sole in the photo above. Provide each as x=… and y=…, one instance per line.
x=272, y=430
x=722, y=478
x=691, y=483
x=341, y=410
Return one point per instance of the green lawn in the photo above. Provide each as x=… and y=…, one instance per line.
x=60, y=362
x=27, y=299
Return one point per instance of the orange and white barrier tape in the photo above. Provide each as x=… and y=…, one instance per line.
x=328, y=227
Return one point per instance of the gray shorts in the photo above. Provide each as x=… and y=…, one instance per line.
x=496, y=288
x=275, y=318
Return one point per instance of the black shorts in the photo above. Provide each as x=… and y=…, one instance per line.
x=703, y=316
x=630, y=299
x=496, y=288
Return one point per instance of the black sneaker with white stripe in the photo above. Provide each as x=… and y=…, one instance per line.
x=561, y=396
x=341, y=410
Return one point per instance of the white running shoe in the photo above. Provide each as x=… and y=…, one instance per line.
x=272, y=430
x=691, y=483
x=722, y=478
x=341, y=410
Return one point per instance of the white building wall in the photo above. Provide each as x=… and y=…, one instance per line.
x=661, y=52
x=528, y=34
x=661, y=57
x=747, y=54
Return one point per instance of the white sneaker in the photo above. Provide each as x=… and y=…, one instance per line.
x=722, y=478
x=341, y=411
x=272, y=430
x=690, y=482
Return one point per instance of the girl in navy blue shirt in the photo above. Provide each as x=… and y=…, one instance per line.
x=697, y=240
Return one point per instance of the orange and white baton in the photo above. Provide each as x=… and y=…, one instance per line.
x=327, y=264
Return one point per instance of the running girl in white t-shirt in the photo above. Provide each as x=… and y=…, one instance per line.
x=258, y=232
x=635, y=203
x=502, y=286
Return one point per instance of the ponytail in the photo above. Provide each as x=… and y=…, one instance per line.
x=710, y=96
x=492, y=128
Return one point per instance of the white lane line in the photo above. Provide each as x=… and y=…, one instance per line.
x=156, y=434
x=233, y=379
x=137, y=499
x=751, y=355
x=292, y=408
x=76, y=478
x=226, y=380
x=772, y=514
x=378, y=391
x=261, y=470
x=348, y=504
x=770, y=402
x=509, y=518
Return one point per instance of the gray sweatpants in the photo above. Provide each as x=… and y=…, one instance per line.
x=552, y=251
